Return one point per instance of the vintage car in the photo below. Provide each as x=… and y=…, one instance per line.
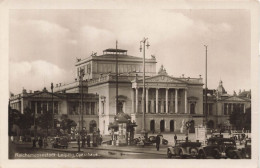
x=60, y=142
x=246, y=150
x=184, y=149
x=151, y=140
x=219, y=148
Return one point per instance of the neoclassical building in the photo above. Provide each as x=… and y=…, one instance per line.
x=170, y=101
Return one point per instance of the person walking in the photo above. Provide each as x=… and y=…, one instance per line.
x=88, y=140
x=34, y=143
x=175, y=138
x=40, y=142
x=158, y=141
x=187, y=139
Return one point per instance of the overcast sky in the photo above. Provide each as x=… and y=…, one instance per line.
x=44, y=44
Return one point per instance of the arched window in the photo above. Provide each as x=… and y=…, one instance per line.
x=162, y=125
x=152, y=125
x=92, y=126
x=172, y=125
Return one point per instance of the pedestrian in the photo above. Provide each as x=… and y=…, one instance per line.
x=100, y=140
x=45, y=144
x=88, y=140
x=187, y=139
x=158, y=141
x=83, y=142
x=175, y=138
x=40, y=143
x=34, y=142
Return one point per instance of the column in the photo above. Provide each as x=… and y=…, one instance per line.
x=166, y=97
x=232, y=108
x=244, y=108
x=228, y=112
x=157, y=100
x=185, y=101
x=136, y=99
x=35, y=107
x=176, y=100
x=146, y=99
x=41, y=107
x=133, y=100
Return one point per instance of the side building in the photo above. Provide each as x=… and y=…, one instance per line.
x=40, y=102
x=221, y=105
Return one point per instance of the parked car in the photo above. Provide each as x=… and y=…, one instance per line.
x=150, y=141
x=184, y=149
x=246, y=150
x=60, y=142
x=219, y=148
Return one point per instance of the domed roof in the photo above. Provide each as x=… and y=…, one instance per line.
x=221, y=90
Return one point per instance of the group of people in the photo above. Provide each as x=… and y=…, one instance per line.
x=97, y=140
x=42, y=142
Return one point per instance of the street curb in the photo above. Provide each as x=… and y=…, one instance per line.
x=118, y=150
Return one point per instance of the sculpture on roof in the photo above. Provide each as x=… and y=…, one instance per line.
x=153, y=56
x=162, y=70
x=94, y=53
x=78, y=59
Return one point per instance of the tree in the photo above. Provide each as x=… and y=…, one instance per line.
x=45, y=121
x=13, y=119
x=241, y=120
x=67, y=123
x=26, y=119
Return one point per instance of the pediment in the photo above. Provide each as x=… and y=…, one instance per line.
x=163, y=79
x=44, y=95
x=234, y=98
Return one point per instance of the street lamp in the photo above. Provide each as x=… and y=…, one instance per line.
x=52, y=108
x=81, y=104
x=145, y=43
x=206, y=103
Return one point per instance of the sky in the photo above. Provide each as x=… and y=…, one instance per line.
x=44, y=44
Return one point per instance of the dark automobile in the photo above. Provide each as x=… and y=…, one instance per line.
x=246, y=151
x=184, y=149
x=60, y=142
x=152, y=139
x=219, y=148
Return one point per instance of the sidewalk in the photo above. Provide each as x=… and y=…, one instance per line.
x=134, y=149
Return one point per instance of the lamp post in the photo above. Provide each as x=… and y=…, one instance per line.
x=145, y=43
x=116, y=81
x=206, y=103
x=52, y=108
x=81, y=105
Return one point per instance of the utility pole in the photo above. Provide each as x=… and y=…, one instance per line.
x=206, y=96
x=116, y=81
x=52, y=108
x=143, y=96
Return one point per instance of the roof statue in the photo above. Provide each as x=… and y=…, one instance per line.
x=162, y=71
x=78, y=59
x=153, y=56
x=234, y=94
x=221, y=90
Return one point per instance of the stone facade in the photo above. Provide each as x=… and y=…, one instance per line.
x=40, y=102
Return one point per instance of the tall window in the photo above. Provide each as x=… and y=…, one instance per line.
x=192, y=108
x=225, y=109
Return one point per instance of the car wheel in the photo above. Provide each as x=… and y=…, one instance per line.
x=169, y=153
x=193, y=151
x=234, y=156
x=201, y=155
x=181, y=154
x=216, y=154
